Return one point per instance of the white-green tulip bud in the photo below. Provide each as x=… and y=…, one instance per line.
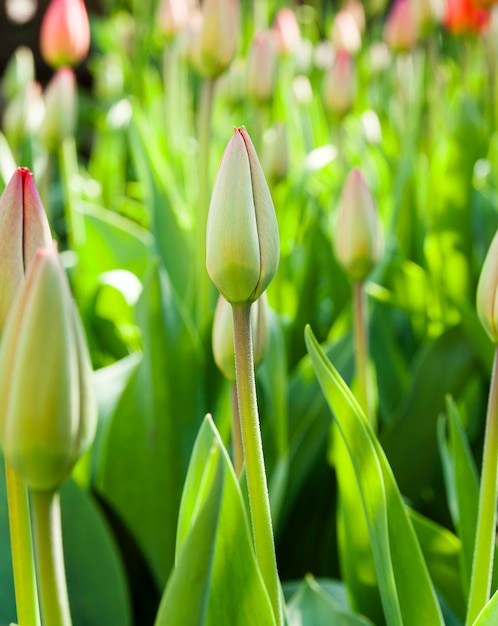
x=242, y=244
x=487, y=292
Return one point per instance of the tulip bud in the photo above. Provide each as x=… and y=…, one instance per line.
x=47, y=405
x=242, y=233
x=23, y=229
x=23, y=114
x=400, y=30
x=275, y=156
x=464, y=17
x=261, y=67
x=286, y=29
x=19, y=72
x=427, y=13
x=345, y=33
x=216, y=41
x=339, y=84
x=172, y=16
x=223, y=340
x=65, y=33
x=358, y=238
x=487, y=292
x=60, y=109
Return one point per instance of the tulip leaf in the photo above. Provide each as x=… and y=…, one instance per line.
x=150, y=437
x=98, y=591
x=406, y=590
x=216, y=579
x=489, y=615
x=311, y=605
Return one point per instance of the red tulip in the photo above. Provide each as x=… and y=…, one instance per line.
x=464, y=16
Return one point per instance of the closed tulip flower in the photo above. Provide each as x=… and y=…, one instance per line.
x=358, y=240
x=287, y=33
x=242, y=233
x=487, y=292
x=23, y=229
x=400, y=30
x=60, y=108
x=65, y=33
x=47, y=406
x=465, y=17
x=215, y=44
x=261, y=67
x=339, y=84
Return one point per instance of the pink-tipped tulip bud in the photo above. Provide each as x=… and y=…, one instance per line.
x=242, y=244
x=47, y=403
x=287, y=33
x=339, y=84
x=358, y=240
x=345, y=34
x=487, y=292
x=65, y=33
x=223, y=341
x=172, y=17
x=261, y=67
x=400, y=30
x=23, y=229
x=60, y=109
x=216, y=43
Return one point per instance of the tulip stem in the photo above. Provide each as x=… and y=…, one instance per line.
x=237, y=451
x=28, y=613
x=482, y=565
x=361, y=349
x=253, y=454
x=50, y=557
x=204, y=135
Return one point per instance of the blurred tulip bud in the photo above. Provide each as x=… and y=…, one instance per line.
x=23, y=114
x=223, y=342
x=261, y=67
x=465, y=17
x=286, y=29
x=345, y=33
x=65, y=33
x=358, y=240
x=275, y=156
x=339, y=84
x=172, y=16
x=242, y=244
x=215, y=45
x=47, y=406
x=487, y=292
x=302, y=90
x=23, y=229
x=355, y=8
x=428, y=13
x=19, y=72
x=60, y=109
x=232, y=85
x=400, y=29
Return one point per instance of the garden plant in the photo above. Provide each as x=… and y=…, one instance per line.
x=249, y=313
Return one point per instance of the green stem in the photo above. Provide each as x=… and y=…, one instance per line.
x=68, y=160
x=50, y=558
x=253, y=455
x=237, y=451
x=23, y=564
x=204, y=135
x=482, y=565
x=361, y=350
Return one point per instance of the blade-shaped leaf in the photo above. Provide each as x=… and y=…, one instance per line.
x=407, y=593
x=216, y=579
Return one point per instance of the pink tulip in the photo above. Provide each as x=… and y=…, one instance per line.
x=65, y=33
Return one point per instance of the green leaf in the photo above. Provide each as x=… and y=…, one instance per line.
x=489, y=615
x=311, y=605
x=406, y=590
x=216, y=579
x=149, y=441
